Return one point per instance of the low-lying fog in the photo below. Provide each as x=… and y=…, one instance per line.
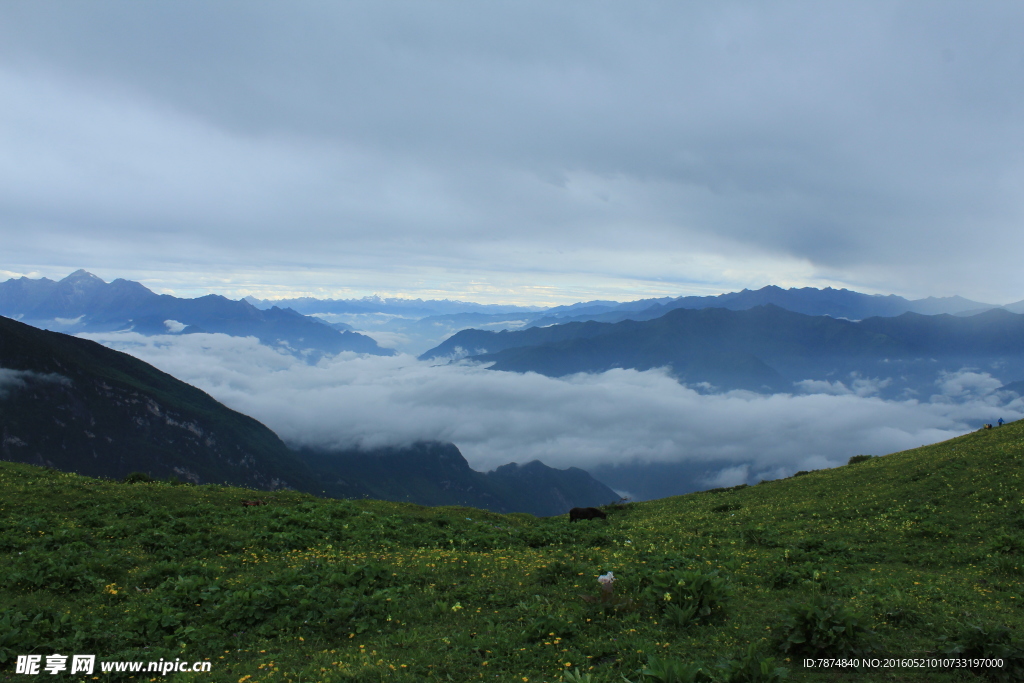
x=416, y=335
x=588, y=421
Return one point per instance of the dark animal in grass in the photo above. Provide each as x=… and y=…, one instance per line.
x=987, y=427
x=248, y=503
x=585, y=513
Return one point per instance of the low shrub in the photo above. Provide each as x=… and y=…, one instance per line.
x=664, y=671
x=897, y=609
x=689, y=595
x=70, y=569
x=576, y=677
x=976, y=641
x=759, y=535
x=548, y=626
x=25, y=633
x=752, y=668
x=1008, y=565
x=660, y=561
x=821, y=546
x=824, y=627
x=1008, y=544
x=555, y=572
x=679, y=616
x=805, y=574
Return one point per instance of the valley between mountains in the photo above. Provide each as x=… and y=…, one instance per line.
x=147, y=520
x=594, y=402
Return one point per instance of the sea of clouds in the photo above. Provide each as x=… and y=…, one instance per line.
x=584, y=420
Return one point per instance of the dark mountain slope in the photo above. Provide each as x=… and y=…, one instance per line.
x=996, y=331
x=547, y=491
x=477, y=342
x=721, y=368
x=438, y=474
x=78, y=406
x=730, y=349
x=765, y=329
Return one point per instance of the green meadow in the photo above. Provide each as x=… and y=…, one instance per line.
x=898, y=560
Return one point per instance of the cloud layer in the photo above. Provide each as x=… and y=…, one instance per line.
x=582, y=421
x=517, y=151
x=12, y=380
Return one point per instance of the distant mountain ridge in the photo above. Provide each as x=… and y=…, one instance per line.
x=396, y=306
x=82, y=302
x=764, y=349
x=836, y=303
x=416, y=325
x=77, y=406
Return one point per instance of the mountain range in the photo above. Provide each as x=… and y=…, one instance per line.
x=408, y=308
x=74, y=405
x=769, y=340
x=765, y=348
x=415, y=325
x=82, y=302
x=836, y=303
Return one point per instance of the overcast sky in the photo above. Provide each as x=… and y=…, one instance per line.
x=520, y=152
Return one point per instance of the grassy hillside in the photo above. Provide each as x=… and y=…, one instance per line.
x=916, y=554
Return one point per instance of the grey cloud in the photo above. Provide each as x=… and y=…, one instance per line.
x=729, y=476
x=583, y=420
x=11, y=380
x=855, y=143
x=969, y=385
x=855, y=384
